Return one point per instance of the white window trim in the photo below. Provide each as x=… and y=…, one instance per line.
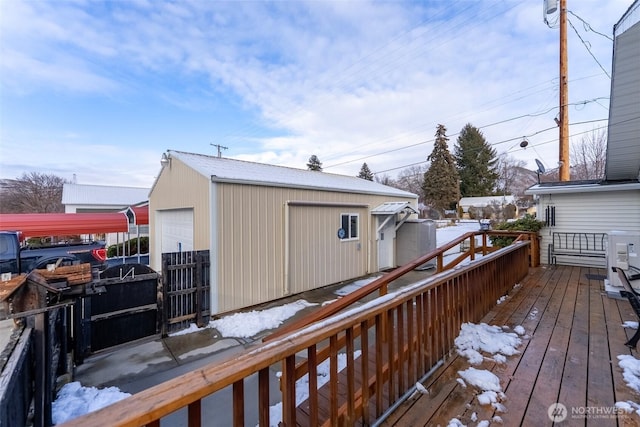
x=350, y=215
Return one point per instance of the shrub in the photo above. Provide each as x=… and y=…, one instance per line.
x=130, y=247
x=526, y=223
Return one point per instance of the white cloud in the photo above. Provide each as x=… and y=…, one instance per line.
x=342, y=80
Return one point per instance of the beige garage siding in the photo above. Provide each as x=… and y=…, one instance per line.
x=180, y=187
x=316, y=255
x=251, y=242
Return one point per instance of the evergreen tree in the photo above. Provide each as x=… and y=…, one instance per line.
x=314, y=164
x=440, y=186
x=476, y=162
x=365, y=173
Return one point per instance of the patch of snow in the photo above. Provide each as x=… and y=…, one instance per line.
x=454, y=422
x=476, y=338
x=497, y=419
x=481, y=379
x=74, y=400
x=351, y=287
x=461, y=382
x=487, y=397
x=474, y=417
x=630, y=371
x=501, y=300
x=629, y=324
x=499, y=407
x=533, y=314
x=251, y=323
x=484, y=423
x=422, y=389
x=628, y=407
x=487, y=382
x=519, y=330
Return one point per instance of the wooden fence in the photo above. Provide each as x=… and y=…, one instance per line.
x=401, y=336
x=186, y=290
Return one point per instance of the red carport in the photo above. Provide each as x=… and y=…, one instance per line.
x=64, y=224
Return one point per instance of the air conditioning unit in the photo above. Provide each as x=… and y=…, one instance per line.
x=623, y=251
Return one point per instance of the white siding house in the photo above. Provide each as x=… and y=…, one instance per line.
x=586, y=208
x=272, y=231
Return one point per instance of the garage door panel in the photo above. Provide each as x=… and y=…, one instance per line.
x=176, y=230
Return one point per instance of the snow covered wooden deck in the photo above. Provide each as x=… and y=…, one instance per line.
x=573, y=335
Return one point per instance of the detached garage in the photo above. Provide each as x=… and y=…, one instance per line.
x=272, y=231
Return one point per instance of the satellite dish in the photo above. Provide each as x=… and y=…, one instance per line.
x=524, y=143
x=540, y=170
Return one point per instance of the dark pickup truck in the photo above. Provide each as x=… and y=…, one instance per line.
x=16, y=259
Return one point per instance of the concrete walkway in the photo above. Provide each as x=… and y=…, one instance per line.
x=136, y=366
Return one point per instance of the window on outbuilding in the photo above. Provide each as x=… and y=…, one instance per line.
x=349, y=223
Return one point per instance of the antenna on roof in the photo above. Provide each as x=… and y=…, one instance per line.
x=220, y=148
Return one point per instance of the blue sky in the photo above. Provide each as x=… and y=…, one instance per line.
x=99, y=90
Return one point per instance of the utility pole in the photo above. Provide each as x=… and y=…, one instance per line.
x=220, y=148
x=563, y=158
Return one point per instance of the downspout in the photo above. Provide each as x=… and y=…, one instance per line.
x=369, y=243
x=213, y=247
x=285, y=267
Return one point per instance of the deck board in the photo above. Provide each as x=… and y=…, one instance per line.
x=575, y=334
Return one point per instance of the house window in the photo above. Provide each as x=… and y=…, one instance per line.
x=349, y=223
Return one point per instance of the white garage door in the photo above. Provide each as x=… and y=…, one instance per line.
x=176, y=230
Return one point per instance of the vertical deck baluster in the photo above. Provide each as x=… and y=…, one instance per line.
x=195, y=413
x=238, y=403
x=263, y=397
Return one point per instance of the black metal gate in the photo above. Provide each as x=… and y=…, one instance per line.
x=186, y=289
x=123, y=309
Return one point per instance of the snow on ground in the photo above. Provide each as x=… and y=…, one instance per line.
x=446, y=234
x=354, y=286
x=249, y=324
x=629, y=324
x=478, y=342
x=75, y=400
x=494, y=340
x=631, y=374
x=630, y=371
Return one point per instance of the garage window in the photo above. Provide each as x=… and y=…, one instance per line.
x=349, y=223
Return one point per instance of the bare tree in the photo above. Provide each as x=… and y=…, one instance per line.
x=385, y=180
x=32, y=193
x=514, y=178
x=410, y=179
x=588, y=157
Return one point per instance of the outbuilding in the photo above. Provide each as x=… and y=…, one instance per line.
x=272, y=231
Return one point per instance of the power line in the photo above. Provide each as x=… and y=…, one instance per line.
x=588, y=27
x=588, y=48
x=457, y=133
x=517, y=138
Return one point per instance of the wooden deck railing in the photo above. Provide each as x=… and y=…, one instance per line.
x=400, y=336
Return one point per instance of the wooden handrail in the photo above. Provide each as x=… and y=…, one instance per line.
x=382, y=282
x=404, y=334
